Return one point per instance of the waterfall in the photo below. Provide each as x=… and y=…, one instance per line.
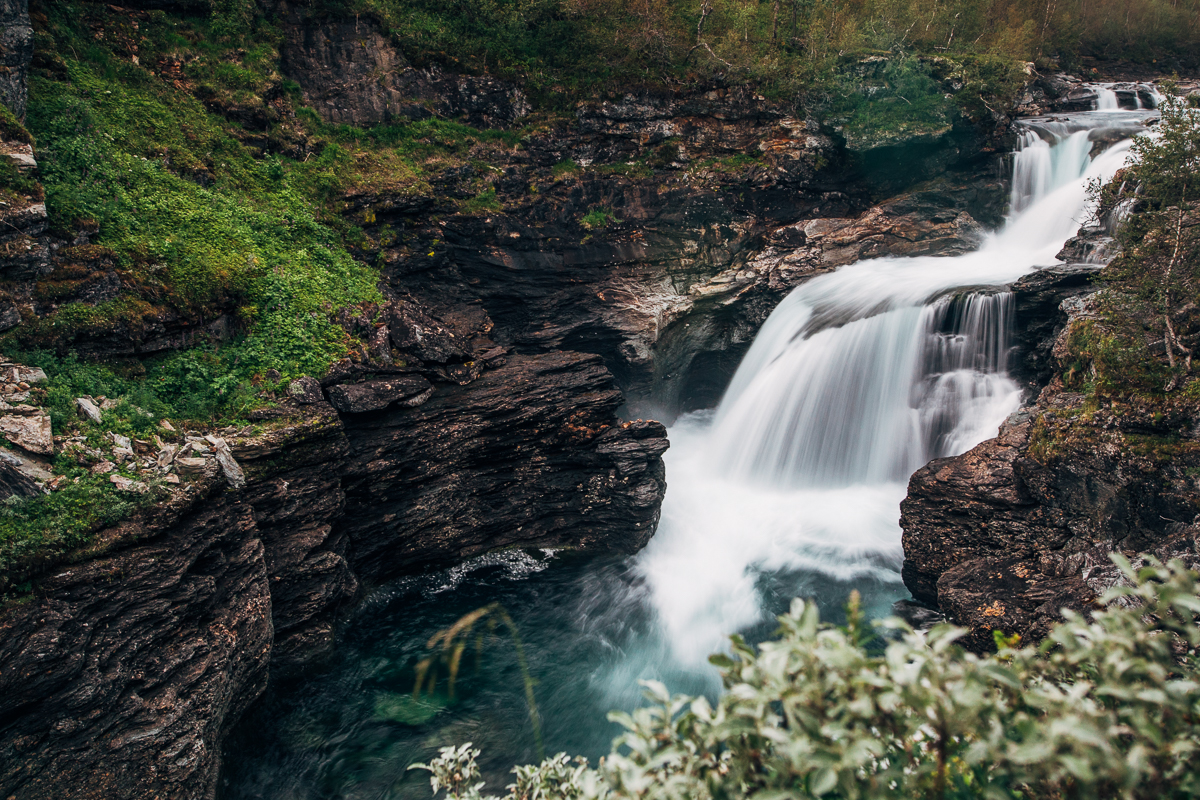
x=1041, y=165
x=858, y=378
x=791, y=487
x=1144, y=96
x=870, y=402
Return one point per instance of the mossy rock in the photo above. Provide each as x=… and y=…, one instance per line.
x=404, y=709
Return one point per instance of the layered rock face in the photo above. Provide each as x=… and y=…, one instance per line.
x=482, y=414
x=474, y=470
x=1006, y=535
x=122, y=673
x=120, y=678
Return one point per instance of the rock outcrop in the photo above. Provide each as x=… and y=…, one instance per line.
x=1006, y=535
x=124, y=668
x=527, y=455
x=16, y=51
x=351, y=73
x=1039, y=321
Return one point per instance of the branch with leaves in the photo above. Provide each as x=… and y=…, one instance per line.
x=1105, y=707
x=449, y=645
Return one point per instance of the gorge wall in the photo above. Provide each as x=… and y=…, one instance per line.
x=485, y=411
x=1006, y=535
x=123, y=671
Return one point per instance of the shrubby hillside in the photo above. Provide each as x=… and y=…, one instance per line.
x=564, y=47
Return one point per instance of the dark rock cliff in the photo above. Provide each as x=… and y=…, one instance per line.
x=1006, y=535
x=122, y=672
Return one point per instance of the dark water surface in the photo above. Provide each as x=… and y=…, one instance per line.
x=351, y=729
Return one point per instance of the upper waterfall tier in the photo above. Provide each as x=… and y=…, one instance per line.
x=863, y=375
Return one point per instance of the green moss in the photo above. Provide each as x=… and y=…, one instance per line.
x=989, y=82
x=1045, y=444
x=199, y=224
x=18, y=189
x=724, y=165
x=1111, y=359
x=11, y=129
x=564, y=169
x=635, y=170
x=599, y=218
x=38, y=531
x=1159, y=448
x=481, y=203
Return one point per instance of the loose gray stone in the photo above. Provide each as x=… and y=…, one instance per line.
x=189, y=466
x=88, y=409
x=30, y=432
x=306, y=390
x=228, y=464
x=127, y=484
x=166, y=455
x=14, y=482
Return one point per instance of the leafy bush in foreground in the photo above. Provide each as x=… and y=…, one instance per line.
x=1102, y=709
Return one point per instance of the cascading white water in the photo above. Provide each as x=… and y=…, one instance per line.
x=1037, y=171
x=858, y=378
x=870, y=401
x=1107, y=98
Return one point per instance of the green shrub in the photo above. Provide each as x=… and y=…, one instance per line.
x=599, y=218
x=1155, y=280
x=1103, y=708
x=902, y=97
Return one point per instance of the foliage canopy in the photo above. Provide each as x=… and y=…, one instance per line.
x=1107, y=707
x=560, y=47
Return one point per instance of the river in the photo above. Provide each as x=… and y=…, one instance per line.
x=790, y=487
